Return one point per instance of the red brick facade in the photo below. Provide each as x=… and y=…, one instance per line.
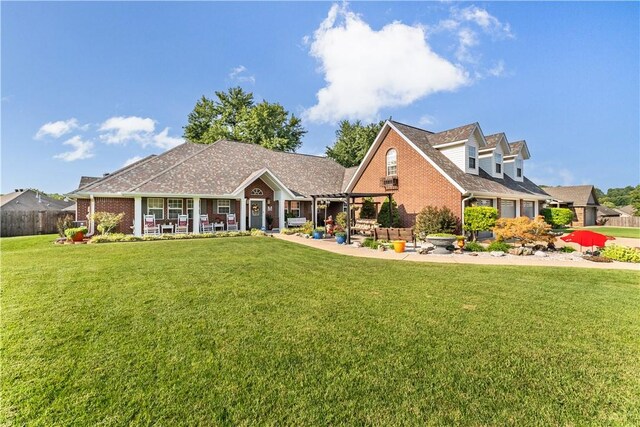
x=419, y=183
x=117, y=205
x=82, y=209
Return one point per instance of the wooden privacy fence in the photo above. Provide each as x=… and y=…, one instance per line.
x=26, y=223
x=629, y=221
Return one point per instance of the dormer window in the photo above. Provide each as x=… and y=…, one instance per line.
x=472, y=157
x=518, y=168
x=498, y=158
x=392, y=162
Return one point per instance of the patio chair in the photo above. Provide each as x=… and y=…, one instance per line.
x=182, y=226
x=232, y=224
x=150, y=226
x=205, y=225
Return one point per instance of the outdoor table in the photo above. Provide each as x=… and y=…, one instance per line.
x=165, y=227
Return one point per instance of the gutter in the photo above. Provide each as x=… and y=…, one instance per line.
x=471, y=196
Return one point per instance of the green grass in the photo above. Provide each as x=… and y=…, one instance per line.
x=255, y=331
x=633, y=232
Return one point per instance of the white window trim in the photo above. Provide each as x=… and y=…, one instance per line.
x=474, y=157
x=257, y=192
x=228, y=206
x=394, y=165
x=519, y=165
x=497, y=156
x=149, y=208
x=190, y=209
x=174, y=209
x=291, y=209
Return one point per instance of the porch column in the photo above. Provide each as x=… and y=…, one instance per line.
x=348, y=219
x=536, y=208
x=243, y=214
x=196, y=215
x=314, y=211
x=92, y=210
x=137, y=216
x=518, y=203
x=282, y=224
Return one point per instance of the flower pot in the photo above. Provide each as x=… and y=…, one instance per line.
x=399, y=246
x=78, y=237
x=461, y=243
x=317, y=235
x=441, y=244
x=341, y=239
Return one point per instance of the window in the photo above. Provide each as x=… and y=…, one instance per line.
x=498, y=158
x=518, y=168
x=344, y=207
x=175, y=208
x=392, y=163
x=527, y=208
x=257, y=192
x=190, y=208
x=155, y=207
x=472, y=157
x=224, y=206
x=295, y=209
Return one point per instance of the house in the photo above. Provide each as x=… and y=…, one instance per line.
x=626, y=211
x=28, y=212
x=606, y=212
x=30, y=200
x=455, y=168
x=581, y=199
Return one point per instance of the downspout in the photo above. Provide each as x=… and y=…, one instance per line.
x=92, y=209
x=471, y=196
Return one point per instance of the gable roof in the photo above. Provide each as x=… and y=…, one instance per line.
x=482, y=183
x=461, y=133
x=606, y=211
x=86, y=180
x=576, y=194
x=219, y=169
x=520, y=147
x=494, y=140
x=29, y=200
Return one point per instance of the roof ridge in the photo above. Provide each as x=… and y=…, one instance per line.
x=281, y=152
x=119, y=171
x=206, y=147
x=458, y=127
x=414, y=127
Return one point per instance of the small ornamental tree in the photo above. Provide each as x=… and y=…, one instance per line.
x=383, y=215
x=107, y=221
x=524, y=230
x=433, y=220
x=341, y=220
x=479, y=218
x=63, y=223
x=557, y=217
x=368, y=210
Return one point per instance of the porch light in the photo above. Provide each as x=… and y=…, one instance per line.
x=269, y=201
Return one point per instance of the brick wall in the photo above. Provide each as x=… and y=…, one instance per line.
x=117, y=205
x=82, y=209
x=419, y=183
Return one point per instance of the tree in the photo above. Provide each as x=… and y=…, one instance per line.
x=523, y=229
x=383, y=215
x=352, y=142
x=106, y=221
x=234, y=115
x=479, y=218
x=368, y=210
x=433, y=220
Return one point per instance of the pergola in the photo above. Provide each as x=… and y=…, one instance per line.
x=350, y=199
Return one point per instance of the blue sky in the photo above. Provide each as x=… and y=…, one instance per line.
x=87, y=87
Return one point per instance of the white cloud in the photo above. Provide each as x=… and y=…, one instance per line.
x=367, y=70
x=82, y=150
x=467, y=39
x=120, y=130
x=239, y=74
x=487, y=22
x=497, y=70
x=547, y=173
x=132, y=160
x=426, y=120
x=163, y=140
x=57, y=129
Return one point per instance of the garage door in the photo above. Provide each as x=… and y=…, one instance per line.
x=589, y=216
x=507, y=209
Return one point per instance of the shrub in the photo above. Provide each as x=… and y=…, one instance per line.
x=383, y=215
x=368, y=210
x=307, y=228
x=432, y=220
x=479, y=218
x=119, y=237
x=566, y=249
x=523, y=229
x=106, y=221
x=70, y=232
x=340, y=234
x=621, y=253
x=448, y=235
x=63, y=223
x=289, y=231
x=257, y=233
x=498, y=246
x=474, y=247
x=557, y=217
x=341, y=220
x=370, y=243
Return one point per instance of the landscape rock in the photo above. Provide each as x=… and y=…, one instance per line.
x=497, y=253
x=527, y=251
x=381, y=248
x=540, y=254
x=356, y=244
x=516, y=251
x=473, y=254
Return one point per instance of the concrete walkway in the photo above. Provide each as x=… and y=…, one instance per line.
x=410, y=255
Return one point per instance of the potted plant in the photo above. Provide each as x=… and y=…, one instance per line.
x=442, y=241
x=75, y=234
x=460, y=241
x=399, y=245
x=318, y=233
x=269, y=220
x=341, y=237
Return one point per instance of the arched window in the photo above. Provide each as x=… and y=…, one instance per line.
x=392, y=162
x=257, y=192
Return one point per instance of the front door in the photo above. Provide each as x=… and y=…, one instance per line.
x=256, y=209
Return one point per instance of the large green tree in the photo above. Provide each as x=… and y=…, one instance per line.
x=234, y=115
x=352, y=142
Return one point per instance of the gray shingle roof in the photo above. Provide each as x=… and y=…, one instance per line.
x=86, y=180
x=219, y=168
x=605, y=211
x=28, y=200
x=483, y=183
x=576, y=194
x=456, y=134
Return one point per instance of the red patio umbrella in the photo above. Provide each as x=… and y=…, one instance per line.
x=587, y=238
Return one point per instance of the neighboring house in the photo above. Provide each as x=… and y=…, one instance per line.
x=456, y=168
x=626, y=211
x=581, y=199
x=606, y=212
x=29, y=200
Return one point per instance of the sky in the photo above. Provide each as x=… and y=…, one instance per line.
x=89, y=86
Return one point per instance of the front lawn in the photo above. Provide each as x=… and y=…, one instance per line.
x=255, y=331
x=632, y=232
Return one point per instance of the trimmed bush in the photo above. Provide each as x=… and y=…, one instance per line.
x=383, y=215
x=498, y=246
x=70, y=232
x=621, y=253
x=523, y=229
x=118, y=237
x=479, y=218
x=474, y=247
x=432, y=220
x=557, y=217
